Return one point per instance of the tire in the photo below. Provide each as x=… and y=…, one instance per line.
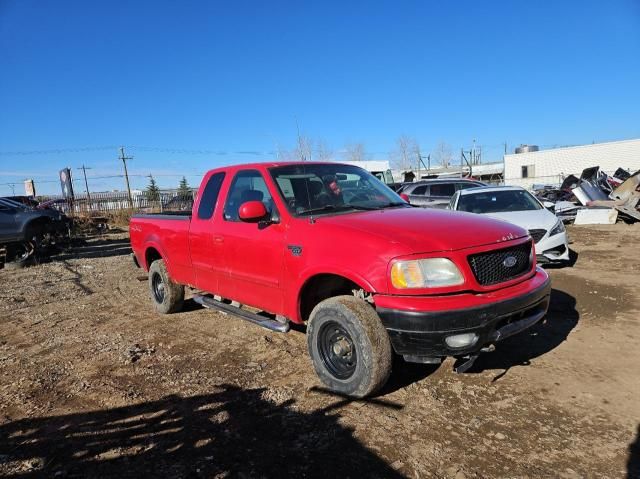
x=22, y=257
x=349, y=347
x=167, y=297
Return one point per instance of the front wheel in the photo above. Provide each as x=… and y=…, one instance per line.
x=167, y=296
x=349, y=347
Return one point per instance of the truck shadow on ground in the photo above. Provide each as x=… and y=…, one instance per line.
x=633, y=464
x=231, y=433
x=543, y=337
x=102, y=248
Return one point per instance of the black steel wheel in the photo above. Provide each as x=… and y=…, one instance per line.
x=157, y=287
x=166, y=295
x=349, y=347
x=337, y=351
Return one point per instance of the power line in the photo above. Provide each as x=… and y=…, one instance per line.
x=56, y=151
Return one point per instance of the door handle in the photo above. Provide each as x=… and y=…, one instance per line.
x=218, y=239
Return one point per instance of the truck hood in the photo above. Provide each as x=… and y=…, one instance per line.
x=427, y=230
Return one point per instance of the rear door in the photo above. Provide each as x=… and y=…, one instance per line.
x=440, y=194
x=205, y=242
x=254, y=252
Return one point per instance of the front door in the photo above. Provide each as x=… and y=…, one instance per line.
x=7, y=223
x=254, y=252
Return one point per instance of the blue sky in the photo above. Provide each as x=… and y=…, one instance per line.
x=191, y=85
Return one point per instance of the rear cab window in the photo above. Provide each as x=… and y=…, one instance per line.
x=210, y=196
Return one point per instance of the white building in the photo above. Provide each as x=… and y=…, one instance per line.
x=552, y=166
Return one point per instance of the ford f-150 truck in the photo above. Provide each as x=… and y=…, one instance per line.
x=329, y=245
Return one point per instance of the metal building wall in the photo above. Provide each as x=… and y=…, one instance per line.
x=552, y=166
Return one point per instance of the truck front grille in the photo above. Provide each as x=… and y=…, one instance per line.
x=501, y=265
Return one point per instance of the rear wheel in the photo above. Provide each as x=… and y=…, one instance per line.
x=349, y=347
x=167, y=296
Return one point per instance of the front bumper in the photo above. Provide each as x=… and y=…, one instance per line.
x=422, y=333
x=553, y=249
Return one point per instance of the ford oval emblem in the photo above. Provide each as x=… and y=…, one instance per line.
x=509, y=262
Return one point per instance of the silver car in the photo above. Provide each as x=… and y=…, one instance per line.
x=435, y=193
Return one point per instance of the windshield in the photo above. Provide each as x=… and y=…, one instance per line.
x=326, y=188
x=14, y=204
x=498, y=202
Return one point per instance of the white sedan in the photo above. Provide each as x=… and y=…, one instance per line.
x=516, y=205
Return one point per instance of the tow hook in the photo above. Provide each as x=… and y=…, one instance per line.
x=471, y=358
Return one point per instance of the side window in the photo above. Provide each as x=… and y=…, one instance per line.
x=210, y=196
x=248, y=185
x=442, y=189
x=464, y=186
x=419, y=190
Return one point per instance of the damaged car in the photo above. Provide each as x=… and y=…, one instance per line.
x=517, y=206
x=24, y=231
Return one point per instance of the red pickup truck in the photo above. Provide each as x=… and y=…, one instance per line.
x=329, y=245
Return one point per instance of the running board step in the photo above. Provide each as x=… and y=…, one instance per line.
x=254, y=318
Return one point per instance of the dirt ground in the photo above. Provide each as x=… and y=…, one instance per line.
x=93, y=383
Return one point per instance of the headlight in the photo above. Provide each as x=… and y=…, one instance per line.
x=557, y=228
x=425, y=273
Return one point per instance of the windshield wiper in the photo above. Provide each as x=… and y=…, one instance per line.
x=391, y=204
x=336, y=208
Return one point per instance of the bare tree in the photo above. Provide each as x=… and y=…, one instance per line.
x=322, y=151
x=304, y=150
x=283, y=154
x=442, y=155
x=355, y=152
x=404, y=157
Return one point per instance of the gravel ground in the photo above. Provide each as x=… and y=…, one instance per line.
x=94, y=384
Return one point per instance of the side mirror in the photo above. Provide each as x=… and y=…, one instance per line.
x=549, y=205
x=252, y=211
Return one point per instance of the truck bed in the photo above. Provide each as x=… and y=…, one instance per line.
x=167, y=215
x=168, y=234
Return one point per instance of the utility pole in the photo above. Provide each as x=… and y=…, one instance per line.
x=126, y=174
x=86, y=185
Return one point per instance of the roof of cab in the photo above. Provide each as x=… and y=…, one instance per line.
x=272, y=164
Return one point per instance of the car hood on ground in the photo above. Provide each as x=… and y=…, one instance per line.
x=529, y=220
x=427, y=230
